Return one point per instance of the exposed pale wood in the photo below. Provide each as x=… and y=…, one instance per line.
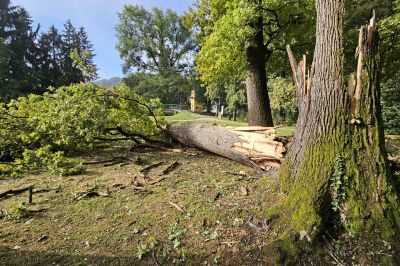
x=304, y=72
x=257, y=147
x=176, y=206
x=292, y=61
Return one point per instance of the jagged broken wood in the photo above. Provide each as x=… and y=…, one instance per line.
x=257, y=147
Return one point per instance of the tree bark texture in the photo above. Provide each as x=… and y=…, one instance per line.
x=257, y=147
x=259, y=110
x=336, y=169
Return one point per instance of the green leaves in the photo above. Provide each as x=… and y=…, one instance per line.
x=153, y=41
x=282, y=95
x=339, y=184
x=35, y=131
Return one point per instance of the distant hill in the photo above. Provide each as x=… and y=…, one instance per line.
x=109, y=83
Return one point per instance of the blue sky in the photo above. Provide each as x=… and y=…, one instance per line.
x=98, y=17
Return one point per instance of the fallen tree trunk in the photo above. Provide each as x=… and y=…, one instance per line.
x=257, y=147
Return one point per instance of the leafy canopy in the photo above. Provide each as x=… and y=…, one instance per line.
x=35, y=131
x=153, y=41
x=224, y=29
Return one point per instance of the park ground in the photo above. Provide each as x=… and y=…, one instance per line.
x=204, y=210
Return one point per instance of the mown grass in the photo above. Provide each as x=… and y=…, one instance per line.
x=114, y=230
x=110, y=230
x=198, y=118
x=181, y=116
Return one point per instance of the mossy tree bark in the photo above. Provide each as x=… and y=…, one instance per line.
x=259, y=110
x=336, y=171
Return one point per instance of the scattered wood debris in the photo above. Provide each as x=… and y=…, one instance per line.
x=45, y=190
x=122, y=160
x=176, y=206
x=241, y=173
x=155, y=181
x=14, y=192
x=260, y=225
x=147, y=169
x=244, y=191
x=120, y=186
x=170, y=168
x=90, y=194
x=43, y=238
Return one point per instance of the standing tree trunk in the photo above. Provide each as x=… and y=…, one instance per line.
x=337, y=170
x=256, y=82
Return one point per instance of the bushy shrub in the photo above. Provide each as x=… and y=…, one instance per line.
x=36, y=130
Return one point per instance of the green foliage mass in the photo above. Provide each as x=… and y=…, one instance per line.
x=158, y=48
x=37, y=130
x=82, y=61
x=391, y=105
x=225, y=28
x=282, y=95
x=153, y=41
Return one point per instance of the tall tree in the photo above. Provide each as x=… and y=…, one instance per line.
x=153, y=41
x=18, y=38
x=337, y=169
x=240, y=38
x=50, y=58
x=70, y=41
x=157, y=46
x=256, y=82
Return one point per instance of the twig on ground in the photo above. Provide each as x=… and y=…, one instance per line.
x=176, y=206
x=13, y=192
x=90, y=194
x=260, y=226
x=147, y=169
x=336, y=259
x=158, y=147
x=170, y=168
x=155, y=181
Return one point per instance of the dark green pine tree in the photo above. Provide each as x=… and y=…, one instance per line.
x=86, y=45
x=50, y=59
x=18, y=51
x=70, y=41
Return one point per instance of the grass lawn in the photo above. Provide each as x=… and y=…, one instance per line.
x=196, y=214
x=198, y=118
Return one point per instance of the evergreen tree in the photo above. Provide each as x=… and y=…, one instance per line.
x=70, y=41
x=18, y=41
x=50, y=58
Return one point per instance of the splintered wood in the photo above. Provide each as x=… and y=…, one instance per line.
x=257, y=147
x=259, y=144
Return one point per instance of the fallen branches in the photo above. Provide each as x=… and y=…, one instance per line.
x=147, y=169
x=90, y=194
x=13, y=192
x=170, y=168
x=176, y=206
